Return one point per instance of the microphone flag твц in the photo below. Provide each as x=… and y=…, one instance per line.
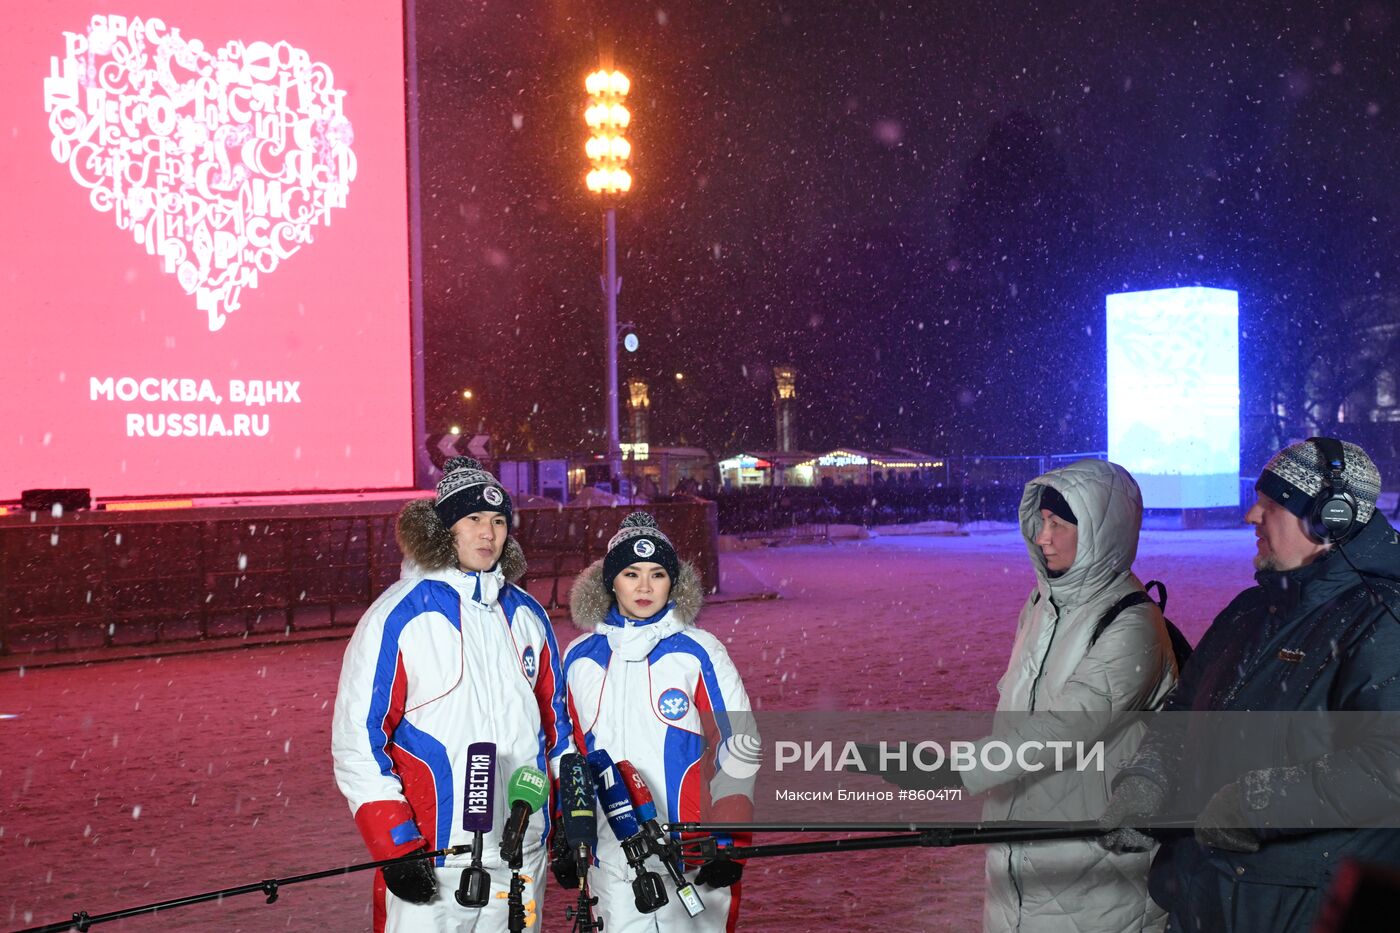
x=647, y=890
x=662, y=845
x=527, y=792
x=478, y=816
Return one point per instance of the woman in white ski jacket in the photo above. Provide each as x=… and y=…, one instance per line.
x=1074, y=886
x=647, y=686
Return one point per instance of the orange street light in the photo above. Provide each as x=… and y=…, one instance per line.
x=608, y=150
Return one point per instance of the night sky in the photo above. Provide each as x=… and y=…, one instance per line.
x=919, y=205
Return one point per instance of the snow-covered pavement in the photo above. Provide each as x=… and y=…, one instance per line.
x=142, y=780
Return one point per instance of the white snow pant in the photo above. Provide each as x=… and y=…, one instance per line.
x=444, y=915
x=618, y=908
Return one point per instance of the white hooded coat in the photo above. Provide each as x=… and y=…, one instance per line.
x=1075, y=886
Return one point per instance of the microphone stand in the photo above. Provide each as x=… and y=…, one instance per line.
x=474, y=889
x=82, y=920
x=582, y=912
x=699, y=849
x=921, y=837
x=668, y=851
x=515, y=900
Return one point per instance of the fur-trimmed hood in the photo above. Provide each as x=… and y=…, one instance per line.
x=589, y=600
x=428, y=545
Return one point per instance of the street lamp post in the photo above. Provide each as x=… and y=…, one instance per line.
x=608, y=151
x=473, y=412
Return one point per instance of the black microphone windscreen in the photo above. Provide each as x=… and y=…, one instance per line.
x=580, y=814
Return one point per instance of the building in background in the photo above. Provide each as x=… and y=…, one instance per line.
x=844, y=466
x=847, y=466
x=761, y=468
x=638, y=412
x=784, y=402
x=548, y=479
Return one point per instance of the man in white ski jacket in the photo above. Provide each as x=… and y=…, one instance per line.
x=452, y=654
x=1081, y=525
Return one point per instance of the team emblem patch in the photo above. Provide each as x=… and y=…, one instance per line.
x=673, y=704
x=643, y=548
x=527, y=660
x=492, y=495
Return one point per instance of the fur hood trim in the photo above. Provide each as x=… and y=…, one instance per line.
x=589, y=600
x=428, y=545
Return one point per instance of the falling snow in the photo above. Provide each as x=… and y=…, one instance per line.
x=934, y=616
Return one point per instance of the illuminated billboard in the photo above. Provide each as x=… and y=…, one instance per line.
x=206, y=267
x=1174, y=394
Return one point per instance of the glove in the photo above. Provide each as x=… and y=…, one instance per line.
x=413, y=881
x=1126, y=839
x=1134, y=798
x=562, y=864
x=719, y=873
x=1221, y=825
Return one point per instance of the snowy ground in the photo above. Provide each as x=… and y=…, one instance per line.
x=143, y=780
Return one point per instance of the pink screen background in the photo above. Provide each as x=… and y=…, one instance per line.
x=79, y=298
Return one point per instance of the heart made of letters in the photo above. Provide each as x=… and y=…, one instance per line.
x=222, y=163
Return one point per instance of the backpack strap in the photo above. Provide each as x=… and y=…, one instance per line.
x=1161, y=598
x=1135, y=598
x=1181, y=648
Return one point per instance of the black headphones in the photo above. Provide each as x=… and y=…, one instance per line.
x=1334, y=509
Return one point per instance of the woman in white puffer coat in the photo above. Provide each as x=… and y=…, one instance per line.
x=1081, y=525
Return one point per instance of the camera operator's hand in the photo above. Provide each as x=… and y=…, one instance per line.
x=1221, y=825
x=1134, y=798
x=1126, y=839
x=719, y=873
x=562, y=864
x=413, y=881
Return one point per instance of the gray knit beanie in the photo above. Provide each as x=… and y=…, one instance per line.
x=1293, y=478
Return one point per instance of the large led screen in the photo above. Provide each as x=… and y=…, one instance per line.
x=205, y=256
x=1174, y=394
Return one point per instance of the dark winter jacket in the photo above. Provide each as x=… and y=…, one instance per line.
x=1306, y=639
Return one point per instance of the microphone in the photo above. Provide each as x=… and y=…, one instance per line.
x=478, y=814
x=580, y=817
x=527, y=792
x=612, y=794
x=660, y=843
x=647, y=890
x=642, y=802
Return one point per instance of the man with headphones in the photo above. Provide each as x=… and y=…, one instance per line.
x=1320, y=632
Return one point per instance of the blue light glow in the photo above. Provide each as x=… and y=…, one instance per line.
x=1174, y=394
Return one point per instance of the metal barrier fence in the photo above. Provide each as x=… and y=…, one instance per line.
x=81, y=582
x=975, y=489
x=988, y=489
x=772, y=512
x=92, y=580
